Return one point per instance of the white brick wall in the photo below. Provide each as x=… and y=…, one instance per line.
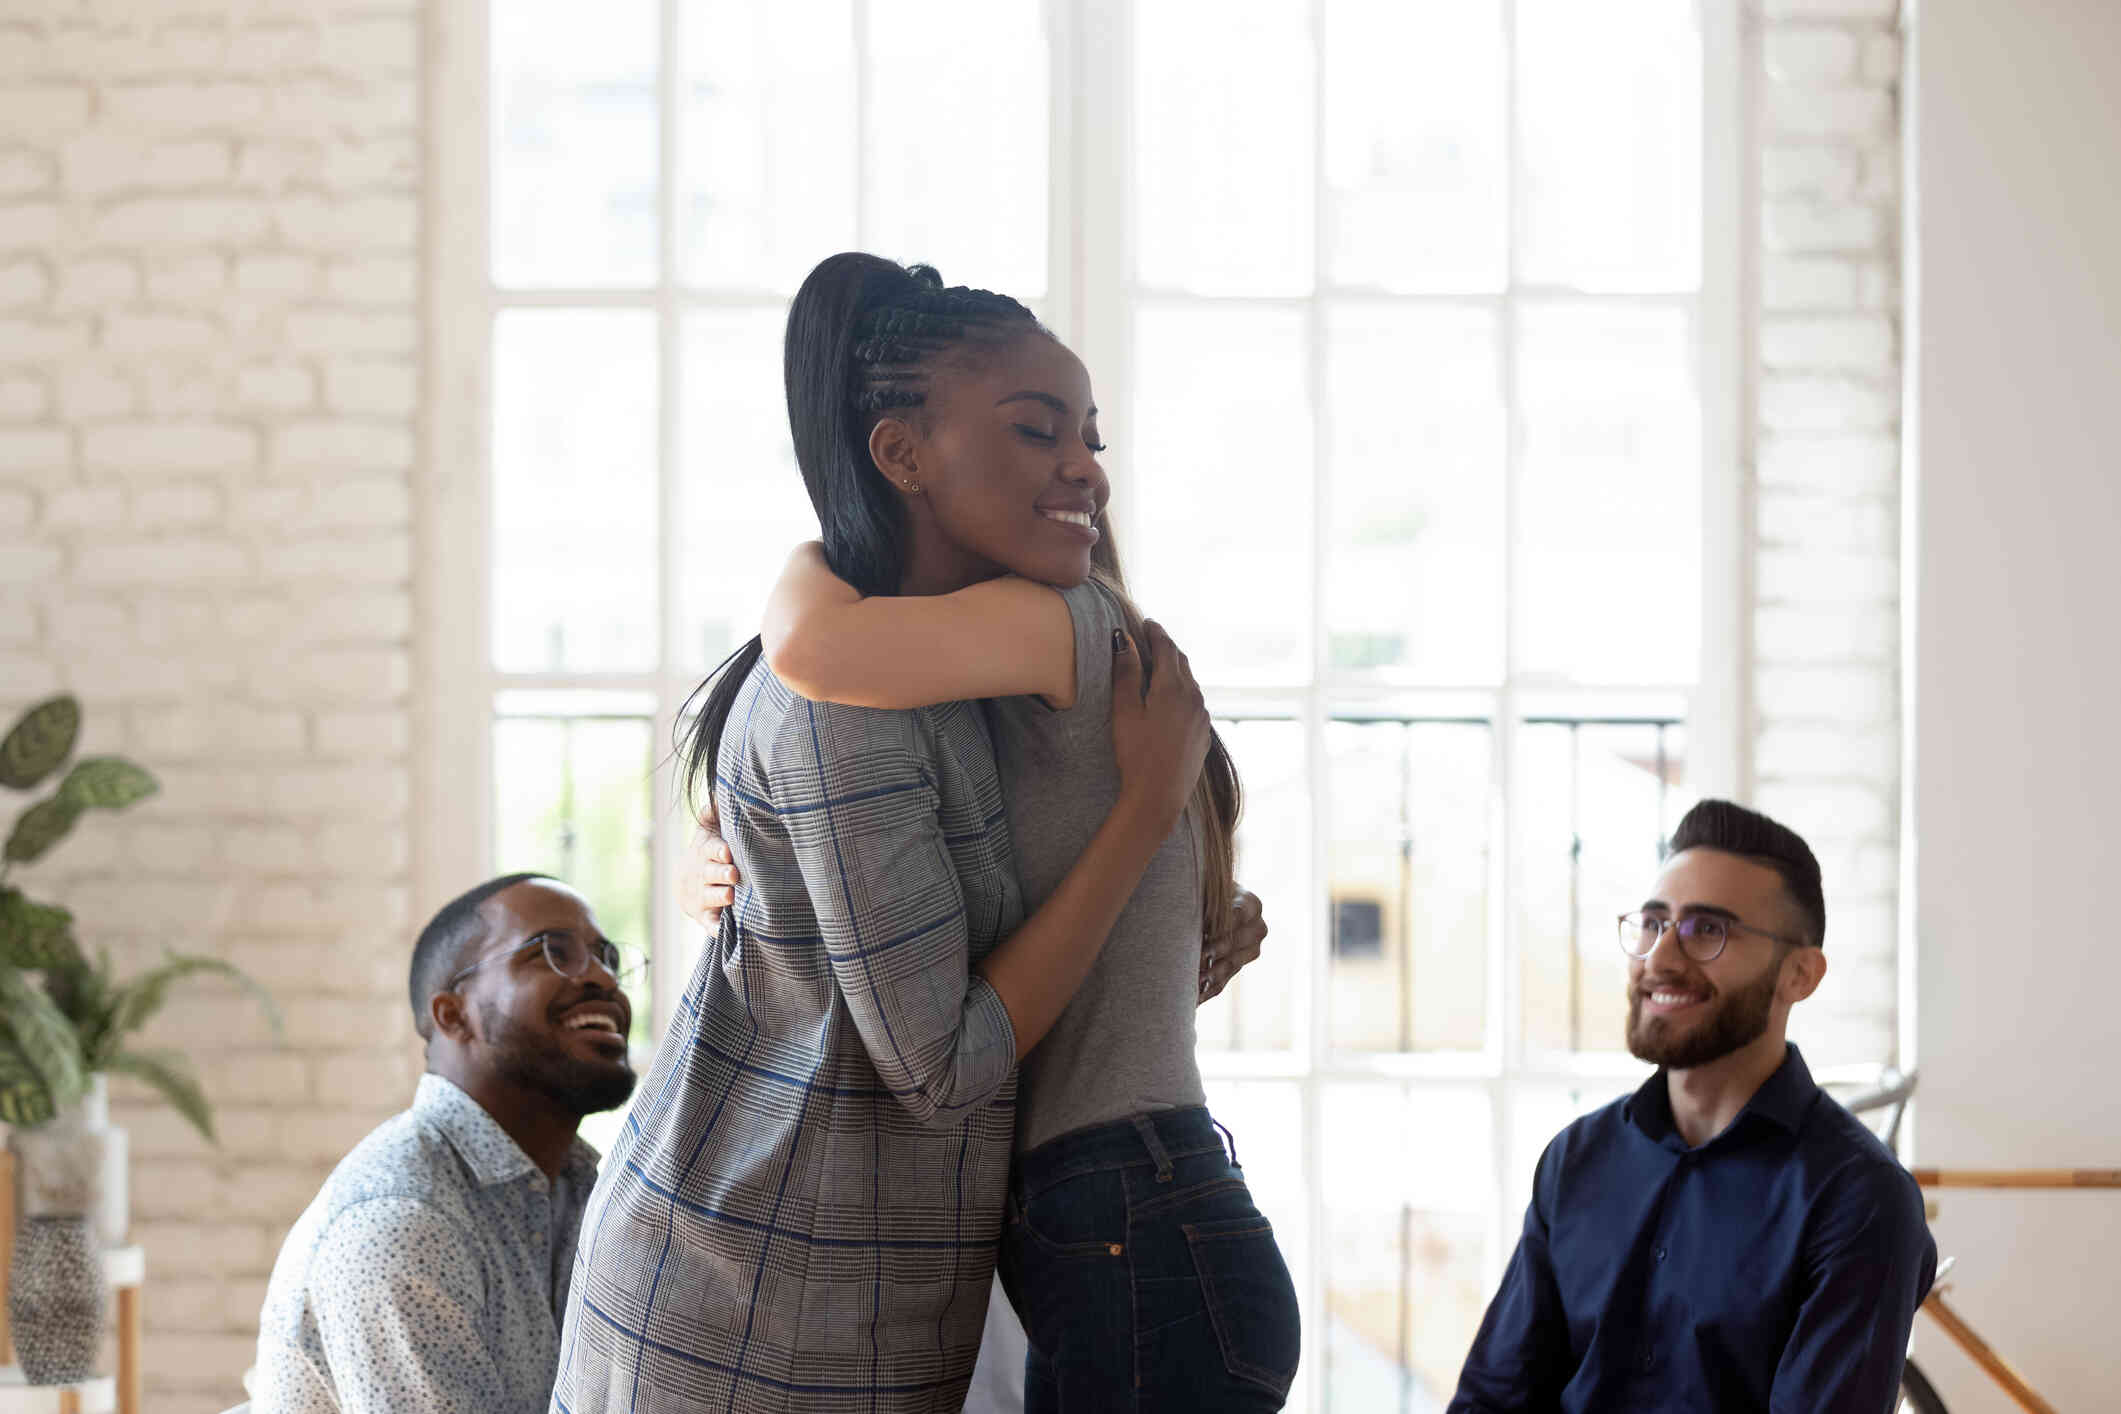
x=1825, y=486
x=209, y=383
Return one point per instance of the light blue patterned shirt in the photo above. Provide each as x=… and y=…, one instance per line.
x=429, y=1275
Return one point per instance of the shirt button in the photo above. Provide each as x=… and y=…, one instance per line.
x=1660, y=1254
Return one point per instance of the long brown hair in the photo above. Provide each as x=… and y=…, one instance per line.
x=1218, y=799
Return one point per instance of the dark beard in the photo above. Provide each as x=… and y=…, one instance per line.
x=573, y=1085
x=1741, y=1019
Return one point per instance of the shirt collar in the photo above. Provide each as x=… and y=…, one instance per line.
x=480, y=1141
x=1783, y=1099
x=1787, y=1096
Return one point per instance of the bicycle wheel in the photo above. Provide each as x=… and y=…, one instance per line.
x=1917, y=1394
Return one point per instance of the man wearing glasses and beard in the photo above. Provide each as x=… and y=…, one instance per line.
x=1727, y=1237
x=430, y=1272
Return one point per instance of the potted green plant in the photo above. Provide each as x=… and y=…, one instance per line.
x=65, y=1020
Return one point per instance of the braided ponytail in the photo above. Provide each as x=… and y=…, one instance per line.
x=862, y=334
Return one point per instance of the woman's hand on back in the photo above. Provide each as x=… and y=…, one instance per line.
x=707, y=877
x=1227, y=953
x=1159, y=737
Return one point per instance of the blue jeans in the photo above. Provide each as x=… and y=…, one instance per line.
x=1145, y=1277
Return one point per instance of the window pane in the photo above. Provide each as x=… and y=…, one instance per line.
x=1408, y=894
x=1605, y=798
x=1414, y=581
x=1610, y=528
x=1257, y=1011
x=1409, y=1179
x=767, y=107
x=1223, y=497
x=743, y=499
x=1537, y=1114
x=573, y=798
x=574, y=491
x=1415, y=147
x=1610, y=125
x=955, y=153
x=1223, y=123
x=574, y=143
x=1266, y=1121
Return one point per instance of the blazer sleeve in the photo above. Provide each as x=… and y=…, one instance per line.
x=866, y=830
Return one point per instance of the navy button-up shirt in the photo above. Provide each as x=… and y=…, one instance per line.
x=1777, y=1267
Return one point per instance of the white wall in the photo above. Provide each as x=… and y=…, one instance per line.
x=2016, y=752
x=209, y=365
x=1824, y=398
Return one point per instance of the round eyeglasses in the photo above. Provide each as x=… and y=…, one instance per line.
x=565, y=954
x=1702, y=936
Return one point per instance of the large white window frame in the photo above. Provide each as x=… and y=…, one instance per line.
x=1089, y=301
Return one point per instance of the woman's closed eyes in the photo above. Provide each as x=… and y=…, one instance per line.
x=1048, y=439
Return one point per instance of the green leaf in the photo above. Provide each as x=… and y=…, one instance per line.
x=40, y=827
x=36, y=937
x=170, y=1073
x=106, y=783
x=36, y=745
x=141, y=998
x=40, y=1057
x=25, y=1098
x=89, y=997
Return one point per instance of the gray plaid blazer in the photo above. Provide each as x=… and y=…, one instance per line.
x=802, y=1210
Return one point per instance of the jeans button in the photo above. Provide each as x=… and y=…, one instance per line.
x=1114, y=1248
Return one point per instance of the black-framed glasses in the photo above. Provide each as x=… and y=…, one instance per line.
x=1702, y=936
x=565, y=954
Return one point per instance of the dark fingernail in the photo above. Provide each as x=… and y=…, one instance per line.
x=1119, y=641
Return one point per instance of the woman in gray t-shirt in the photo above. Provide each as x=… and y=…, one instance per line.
x=1143, y=1272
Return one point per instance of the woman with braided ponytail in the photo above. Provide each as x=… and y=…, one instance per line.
x=1145, y=1276
x=802, y=1209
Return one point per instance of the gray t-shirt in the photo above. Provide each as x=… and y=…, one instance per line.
x=1125, y=1044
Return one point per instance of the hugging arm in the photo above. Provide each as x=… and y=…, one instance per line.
x=708, y=879
x=1002, y=637
x=867, y=834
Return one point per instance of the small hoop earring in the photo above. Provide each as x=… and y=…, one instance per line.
x=912, y=488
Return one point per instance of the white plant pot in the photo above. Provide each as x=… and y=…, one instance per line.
x=77, y=1166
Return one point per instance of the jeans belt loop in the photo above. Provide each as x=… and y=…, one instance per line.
x=1155, y=1147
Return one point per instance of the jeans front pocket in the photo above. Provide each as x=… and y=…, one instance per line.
x=1083, y=1216
x=1250, y=1299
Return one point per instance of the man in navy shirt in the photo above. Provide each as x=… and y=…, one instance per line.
x=1727, y=1238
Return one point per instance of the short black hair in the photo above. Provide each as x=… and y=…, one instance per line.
x=1733, y=829
x=442, y=942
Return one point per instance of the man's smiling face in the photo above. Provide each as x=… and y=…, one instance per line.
x=563, y=1038
x=1684, y=1013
